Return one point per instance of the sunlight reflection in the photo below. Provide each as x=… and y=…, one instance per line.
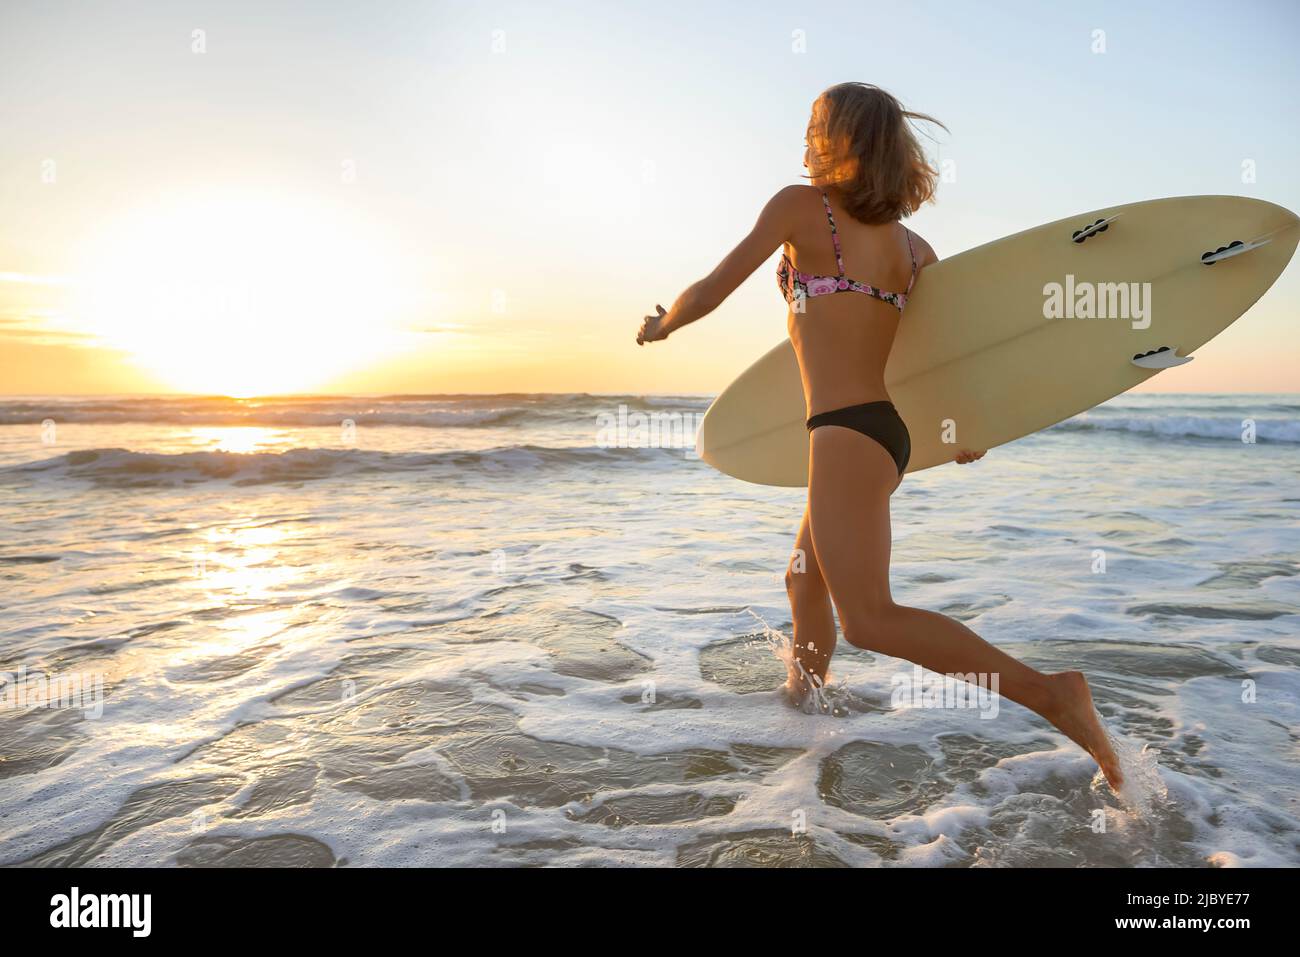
x=239, y=438
x=243, y=563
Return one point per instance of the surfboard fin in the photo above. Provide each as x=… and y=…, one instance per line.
x=1100, y=226
x=1234, y=248
x=1166, y=357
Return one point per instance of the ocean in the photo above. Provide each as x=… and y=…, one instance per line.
x=496, y=630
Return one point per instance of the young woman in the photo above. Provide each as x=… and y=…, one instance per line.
x=848, y=267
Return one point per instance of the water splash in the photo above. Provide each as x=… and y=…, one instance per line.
x=1143, y=790
x=809, y=693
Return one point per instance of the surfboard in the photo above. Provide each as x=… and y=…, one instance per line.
x=1016, y=335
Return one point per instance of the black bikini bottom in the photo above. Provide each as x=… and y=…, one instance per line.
x=875, y=420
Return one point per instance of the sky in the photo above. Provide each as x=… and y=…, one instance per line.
x=420, y=197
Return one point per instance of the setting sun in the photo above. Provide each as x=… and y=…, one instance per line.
x=241, y=294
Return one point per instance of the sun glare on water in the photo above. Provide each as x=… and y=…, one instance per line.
x=240, y=438
x=242, y=295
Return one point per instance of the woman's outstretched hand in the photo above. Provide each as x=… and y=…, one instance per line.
x=652, y=328
x=966, y=456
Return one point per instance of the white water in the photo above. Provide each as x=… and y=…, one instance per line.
x=460, y=632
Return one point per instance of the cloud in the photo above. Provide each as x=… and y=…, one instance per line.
x=29, y=328
x=29, y=280
x=443, y=328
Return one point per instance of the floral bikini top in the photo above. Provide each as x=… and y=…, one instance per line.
x=796, y=285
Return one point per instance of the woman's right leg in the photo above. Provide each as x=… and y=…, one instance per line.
x=811, y=613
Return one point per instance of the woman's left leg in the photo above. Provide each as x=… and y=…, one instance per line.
x=851, y=479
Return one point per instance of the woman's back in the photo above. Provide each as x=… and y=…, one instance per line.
x=845, y=311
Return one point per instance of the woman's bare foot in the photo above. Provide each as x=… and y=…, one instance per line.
x=1073, y=712
x=802, y=689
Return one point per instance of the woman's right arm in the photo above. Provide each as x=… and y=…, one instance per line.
x=927, y=257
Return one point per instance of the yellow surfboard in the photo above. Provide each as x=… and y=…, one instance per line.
x=1021, y=333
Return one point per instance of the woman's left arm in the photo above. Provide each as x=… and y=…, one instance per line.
x=701, y=298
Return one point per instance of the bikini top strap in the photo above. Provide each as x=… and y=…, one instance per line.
x=835, y=236
x=912, y=253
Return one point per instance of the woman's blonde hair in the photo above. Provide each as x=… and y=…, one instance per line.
x=861, y=143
